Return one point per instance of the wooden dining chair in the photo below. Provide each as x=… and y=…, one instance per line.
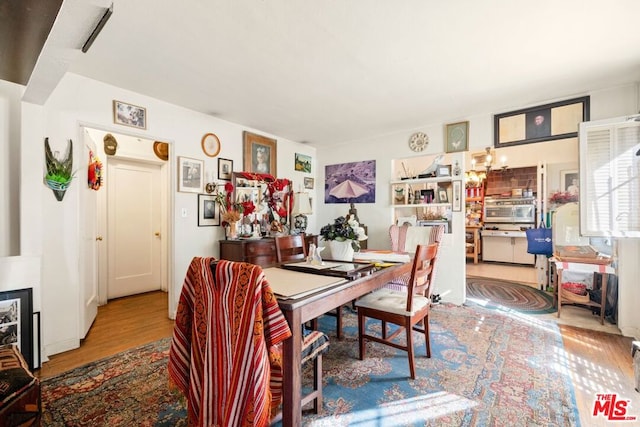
x=292, y=248
x=406, y=309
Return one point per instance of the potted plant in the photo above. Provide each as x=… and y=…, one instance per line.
x=59, y=170
x=343, y=237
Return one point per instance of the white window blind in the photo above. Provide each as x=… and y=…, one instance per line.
x=609, y=183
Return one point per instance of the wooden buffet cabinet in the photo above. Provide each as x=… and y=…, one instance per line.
x=256, y=251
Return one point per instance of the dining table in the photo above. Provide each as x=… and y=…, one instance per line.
x=301, y=309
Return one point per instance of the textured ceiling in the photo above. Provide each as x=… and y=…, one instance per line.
x=329, y=72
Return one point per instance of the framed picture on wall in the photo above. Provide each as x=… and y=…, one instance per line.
x=129, y=115
x=457, y=196
x=456, y=137
x=570, y=181
x=302, y=163
x=308, y=183
x=548, y=122
x=259, y=154
x=190, y=175
x=208, y=214
x=225, y=169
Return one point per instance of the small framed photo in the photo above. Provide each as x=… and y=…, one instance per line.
x=129, y=115
x=570, y=181
x=456, y=137
x=208, y=214
x=16, y=321
x=443, y=170
x=442, y=196
x=457, y=196
x=259, y=154
x=303, y=163
x=225, y=169
x=190, y=175
x=308, y=183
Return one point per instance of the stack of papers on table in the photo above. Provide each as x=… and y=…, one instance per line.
x=294, y=284
x=386, y=256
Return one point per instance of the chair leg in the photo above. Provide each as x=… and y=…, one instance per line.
x=427, y=335
x=317, y=383
x=412, y=367
x=361, y=343
x=339, y=322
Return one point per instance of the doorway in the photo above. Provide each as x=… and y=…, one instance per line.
x=132, y=211
x=133, y=228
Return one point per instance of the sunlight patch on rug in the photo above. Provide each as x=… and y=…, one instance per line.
x=403, y=412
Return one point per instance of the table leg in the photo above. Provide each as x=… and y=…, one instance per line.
x=292, y=372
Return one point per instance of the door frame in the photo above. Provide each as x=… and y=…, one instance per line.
x=167, y=202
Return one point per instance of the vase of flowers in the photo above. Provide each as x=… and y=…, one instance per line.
x=231, y=212
x=343, y=237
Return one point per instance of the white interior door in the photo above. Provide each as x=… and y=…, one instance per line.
x=133, y=236
x=89, y=253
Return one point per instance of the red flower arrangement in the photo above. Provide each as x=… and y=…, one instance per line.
x=231, y=211
x=562, y=197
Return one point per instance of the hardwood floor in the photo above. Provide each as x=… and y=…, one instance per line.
x=599, y=362
x=122, y=324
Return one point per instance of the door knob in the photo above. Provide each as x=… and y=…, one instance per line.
x=99, y=239
x=157, y=234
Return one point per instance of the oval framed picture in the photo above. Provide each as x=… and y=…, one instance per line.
x=210, y=144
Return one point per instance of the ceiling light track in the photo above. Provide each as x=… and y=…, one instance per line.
x=96, y=31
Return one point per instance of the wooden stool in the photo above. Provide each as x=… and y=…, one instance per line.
x=20, y=403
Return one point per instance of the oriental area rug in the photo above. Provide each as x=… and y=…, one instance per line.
x=488, y=368
x=505, y=295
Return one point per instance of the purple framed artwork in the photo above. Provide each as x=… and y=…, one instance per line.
x=350, y=182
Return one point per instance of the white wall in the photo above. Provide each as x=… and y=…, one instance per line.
x=79, y=101
x=10, y=94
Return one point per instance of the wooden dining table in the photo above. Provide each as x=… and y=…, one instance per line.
x=300, y=310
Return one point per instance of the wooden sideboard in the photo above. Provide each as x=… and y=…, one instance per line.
x=256, y=251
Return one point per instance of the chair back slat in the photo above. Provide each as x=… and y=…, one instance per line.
x=422, y=272
x=290, y=248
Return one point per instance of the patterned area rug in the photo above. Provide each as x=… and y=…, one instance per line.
x=504, y=295
x=487, y=368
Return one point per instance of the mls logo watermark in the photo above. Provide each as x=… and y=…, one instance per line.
x=613, y=408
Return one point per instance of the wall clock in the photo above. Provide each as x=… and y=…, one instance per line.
x=418, y=141
x=210, y=144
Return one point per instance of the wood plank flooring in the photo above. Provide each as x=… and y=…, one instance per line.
x=599, y=362
x=121, y=324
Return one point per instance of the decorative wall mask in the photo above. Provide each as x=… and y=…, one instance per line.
x=110, y=144
x=59, y=169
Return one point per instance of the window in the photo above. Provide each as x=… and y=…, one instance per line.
x=609, y=177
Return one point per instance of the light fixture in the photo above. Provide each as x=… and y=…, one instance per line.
x=488, y=159
x=97, y=29
x=301, y=207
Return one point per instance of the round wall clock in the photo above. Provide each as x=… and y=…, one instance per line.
x=210, y=145
x=418, y=141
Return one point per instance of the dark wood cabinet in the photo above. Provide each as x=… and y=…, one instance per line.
x=259, y=251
